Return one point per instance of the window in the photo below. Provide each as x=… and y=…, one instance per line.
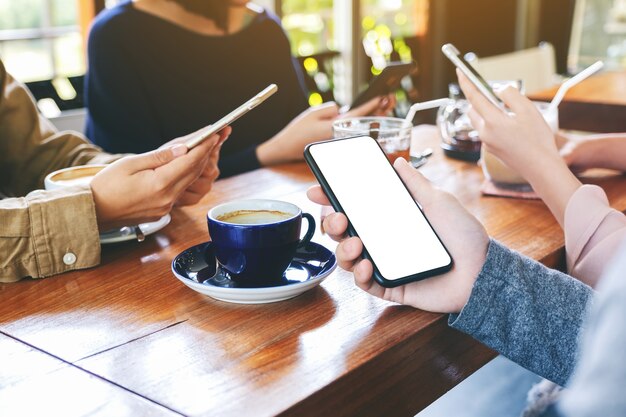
x=384, y=25
x=44, y=40
x=310, y=27
x=389, y=30
x=41, y=39
x=369, y=42
x=598, y=32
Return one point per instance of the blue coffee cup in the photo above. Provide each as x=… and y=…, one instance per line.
x=255, y=240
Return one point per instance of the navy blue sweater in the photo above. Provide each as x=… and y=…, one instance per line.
x=150, y=81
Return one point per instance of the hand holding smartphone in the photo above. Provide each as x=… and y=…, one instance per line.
x=232, y=116
x=470, y=72
x=360, y=182
x=386, y=82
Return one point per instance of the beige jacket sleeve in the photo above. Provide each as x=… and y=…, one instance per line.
x=42, y=233
x=48, y=232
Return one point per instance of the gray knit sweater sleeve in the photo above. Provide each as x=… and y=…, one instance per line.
x=597, y=386
x=527, y=312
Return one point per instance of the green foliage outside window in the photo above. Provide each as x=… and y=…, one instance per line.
x=309, y=25
x=42, y=58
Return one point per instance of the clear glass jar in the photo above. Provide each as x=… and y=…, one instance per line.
x=459, y=139
x=393, y=134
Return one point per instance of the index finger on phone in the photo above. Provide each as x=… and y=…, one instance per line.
x=316, y=195
x=207, y=144
x=179, y=168
x=475, y=97
x=515, y=100
x=204, y=134
x=420, y=187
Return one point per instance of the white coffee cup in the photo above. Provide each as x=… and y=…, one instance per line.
x=67, y=177
x=500, y=173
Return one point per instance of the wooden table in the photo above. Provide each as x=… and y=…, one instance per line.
x=597, y=104
x=127, y=338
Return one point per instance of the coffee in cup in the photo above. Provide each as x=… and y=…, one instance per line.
x=254, y=241
x=67, y=177
x=254, y=216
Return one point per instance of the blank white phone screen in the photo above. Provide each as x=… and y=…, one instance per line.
x=382, y=212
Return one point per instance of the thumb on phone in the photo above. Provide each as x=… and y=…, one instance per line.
x=153, y=159
x=325, y=111
x=420, y=188
x=365, y=109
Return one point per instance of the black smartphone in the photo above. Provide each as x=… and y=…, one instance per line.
x=386, y=82
x=360, y=182
x=470, y=72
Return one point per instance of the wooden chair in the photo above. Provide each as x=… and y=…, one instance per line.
x=536, y=67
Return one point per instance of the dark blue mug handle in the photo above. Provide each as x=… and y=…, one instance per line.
x=310, y=231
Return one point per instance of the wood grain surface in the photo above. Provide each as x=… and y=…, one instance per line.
x=33, y=383
x=597, y=104
x=334, y=350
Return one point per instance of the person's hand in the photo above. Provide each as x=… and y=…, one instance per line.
x=463, y=235
x=143, y=188
x=200, y=187
x=582, y=152
x=577, y=152
x=523, y=140
x=312, y=125
x=378, y=106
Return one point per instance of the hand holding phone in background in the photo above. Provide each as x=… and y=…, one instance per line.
x=523, y=141
x=472, y=75
x=312, y=125
x=143, y=188
x=385, y=83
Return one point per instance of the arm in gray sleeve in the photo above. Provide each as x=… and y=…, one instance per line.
x=527, y=312
x=597, y=386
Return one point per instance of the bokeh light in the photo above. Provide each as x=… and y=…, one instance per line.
x=368, y=23
x=315, y=99
x=310, y=65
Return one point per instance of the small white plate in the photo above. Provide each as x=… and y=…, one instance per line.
x=128, y=232
x=195, y=267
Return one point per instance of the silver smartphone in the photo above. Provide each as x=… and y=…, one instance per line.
x=470, y=72
x=198, y=138
x=360, y=182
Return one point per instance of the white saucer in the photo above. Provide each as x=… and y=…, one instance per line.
x=195, y=267
x=128, y=232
